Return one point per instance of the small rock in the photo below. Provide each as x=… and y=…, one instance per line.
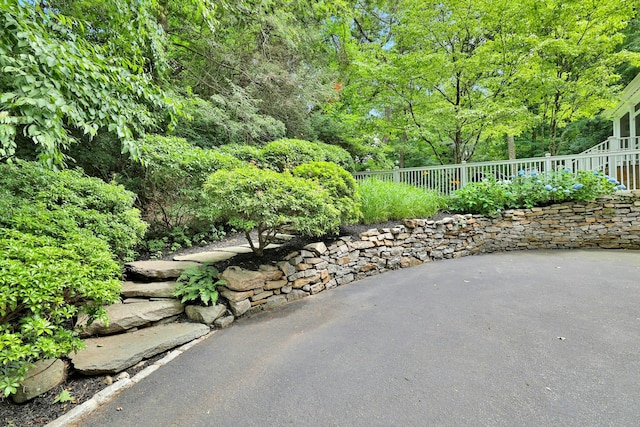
x=319, y=248
x=239, y=279
x=275, y=301
x=122, y=376
x=206, y=315
x=240, y=307
x=224, y=322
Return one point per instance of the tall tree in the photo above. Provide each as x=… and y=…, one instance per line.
x=454, y=74
x=573, y=69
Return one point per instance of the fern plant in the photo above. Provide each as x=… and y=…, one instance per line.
x=198, y=284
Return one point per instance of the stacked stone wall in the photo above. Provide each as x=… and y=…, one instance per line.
x=609, y=222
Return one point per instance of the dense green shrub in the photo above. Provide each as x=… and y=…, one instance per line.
x=527, y=190
x=169, y=185
x=251, y=198
x=341, y=186
x=286, y=154
x=44, y=283
x=384, y=201
x=248, y=153
x=36, y=200
x=59, y=232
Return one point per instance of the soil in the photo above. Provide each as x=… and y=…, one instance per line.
x=44, y=409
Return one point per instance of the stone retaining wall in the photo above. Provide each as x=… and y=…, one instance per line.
x=609, y=222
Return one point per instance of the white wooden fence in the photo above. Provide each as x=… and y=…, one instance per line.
x=623, y=164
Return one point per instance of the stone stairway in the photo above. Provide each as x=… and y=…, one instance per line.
x=143, y=325
x=148, y=321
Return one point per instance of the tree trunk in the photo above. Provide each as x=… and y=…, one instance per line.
x=511, y=147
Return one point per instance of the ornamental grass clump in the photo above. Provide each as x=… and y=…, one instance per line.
x=527, y=190
x=384, y=201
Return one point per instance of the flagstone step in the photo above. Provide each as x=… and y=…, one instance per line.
x=156, y=269
x=126, y=316
x=148, y=290
x=213, y=256
x=115, y=353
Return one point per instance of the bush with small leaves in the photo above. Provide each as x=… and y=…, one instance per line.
x=250, y=198
x=35, y=200
x=60, y=233
x=168, y=183
x=340, y=184
x=286, y=154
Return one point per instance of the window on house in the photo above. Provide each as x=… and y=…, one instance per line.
x=625, y=129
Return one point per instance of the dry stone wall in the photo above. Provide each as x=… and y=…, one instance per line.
x=609, y=222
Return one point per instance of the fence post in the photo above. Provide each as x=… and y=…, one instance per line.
x=396, y=175
x=463, y=174
x=547, y=162
x=614, y=144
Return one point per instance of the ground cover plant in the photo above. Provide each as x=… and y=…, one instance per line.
x=383, y=201
x=529, y=189
x=60, y=236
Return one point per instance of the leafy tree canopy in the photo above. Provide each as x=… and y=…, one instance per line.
x=56, y=83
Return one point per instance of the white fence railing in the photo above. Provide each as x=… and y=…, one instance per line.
x=615, y=144
x=623, y=165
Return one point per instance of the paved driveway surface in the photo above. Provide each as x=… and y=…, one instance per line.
x=513, y=339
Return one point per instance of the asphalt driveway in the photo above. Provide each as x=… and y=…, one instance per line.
x=510, y=339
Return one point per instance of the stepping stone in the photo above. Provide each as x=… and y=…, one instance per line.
x=113, y=354
x=127, y=316
x=269, y=246
x=148, y=290
x=243, y=249
x=158, y=269
x=214, y=256
x=286, y=237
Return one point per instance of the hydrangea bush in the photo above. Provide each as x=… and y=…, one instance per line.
x=526, y=190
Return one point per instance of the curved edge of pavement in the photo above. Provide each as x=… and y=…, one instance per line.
x=107, y=394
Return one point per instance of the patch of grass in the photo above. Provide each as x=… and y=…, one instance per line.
x=384, y=201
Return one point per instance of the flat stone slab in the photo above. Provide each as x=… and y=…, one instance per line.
x=158, y=269
x=127, y=316
x=244, y=249
x=148, y=290
x=284, y=236
x=235, y=249
x=213, y=256
x=269, y=246
x=113, y=354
